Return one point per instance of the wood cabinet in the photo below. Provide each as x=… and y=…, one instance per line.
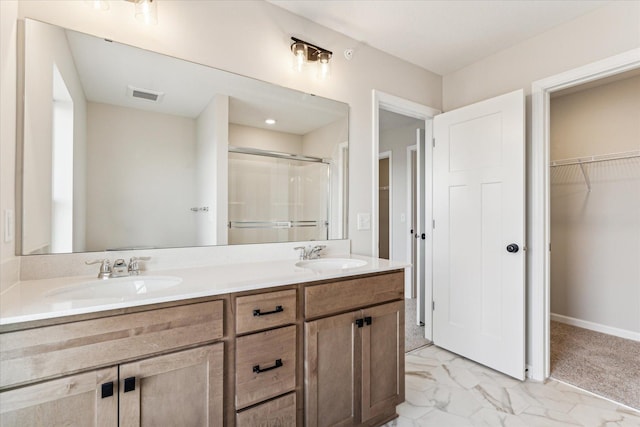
x=177, y=389
x=75, y=400
x=325, y=353
x=330, y=370
x=381, y=358
x=354, y=361
x=280, y=412
x=183, y=388
x=107, y=371
x=267, y=358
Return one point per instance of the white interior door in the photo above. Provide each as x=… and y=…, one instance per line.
x=479, y=213
x=420, y=229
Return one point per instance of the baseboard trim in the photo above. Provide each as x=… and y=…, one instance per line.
x=597, y=327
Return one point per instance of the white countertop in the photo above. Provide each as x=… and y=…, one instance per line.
x=38, y=299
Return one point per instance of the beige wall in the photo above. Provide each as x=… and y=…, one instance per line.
x=397, y=140
x=127, y=208
x=600, y=120
x=48, y=47
x=605, y=32
x=212, y=158
x=595, y=235
x=9, y=263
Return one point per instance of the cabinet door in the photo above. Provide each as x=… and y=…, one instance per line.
x=329, y=371
x=178, y=389
x=75, y=400
x=382, y=363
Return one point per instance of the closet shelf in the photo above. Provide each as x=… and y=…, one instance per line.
x=582, y=161
x=596, y=159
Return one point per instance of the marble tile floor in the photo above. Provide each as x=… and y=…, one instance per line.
x=445, y=390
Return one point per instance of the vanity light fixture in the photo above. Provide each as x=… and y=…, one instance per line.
x=305, y=52
x=146, y=11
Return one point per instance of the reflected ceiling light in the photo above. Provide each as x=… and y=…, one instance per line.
x=146, y=11
x=270, y=121
x=306, y=52
x=97, y=4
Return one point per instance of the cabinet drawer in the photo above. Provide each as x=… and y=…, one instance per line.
x=265, y=365
x=337, y=297
x=266, y=310
x=51, y=351
x=279, y=412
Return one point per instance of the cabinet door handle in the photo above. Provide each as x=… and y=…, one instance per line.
x=258, y=370
x=360, y=323
x=368, y=320
x=257, y=312
x=107, y=389
x=129, y=384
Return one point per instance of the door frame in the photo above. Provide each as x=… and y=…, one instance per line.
x=388, y=155
x=408, y=287
x=540, y=229
x=395, y=104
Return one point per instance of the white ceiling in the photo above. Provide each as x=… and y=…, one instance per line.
x=107, y=68
x=438, y=35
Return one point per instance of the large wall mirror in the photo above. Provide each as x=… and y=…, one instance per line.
x=124, y=148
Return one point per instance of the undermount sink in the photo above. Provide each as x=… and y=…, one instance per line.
x=323, y=264
x=122, y=287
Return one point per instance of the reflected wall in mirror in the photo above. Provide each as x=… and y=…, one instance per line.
x=124, y=148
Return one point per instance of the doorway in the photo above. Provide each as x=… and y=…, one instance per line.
x=539, y=271
x=411, y=116
x=595, y=235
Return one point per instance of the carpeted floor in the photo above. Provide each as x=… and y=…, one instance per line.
x=603, y=364
x=414, y=334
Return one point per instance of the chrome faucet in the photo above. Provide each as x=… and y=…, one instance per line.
x=134, y=267
x=119, y=268
x=309, y=252
x=105, y=267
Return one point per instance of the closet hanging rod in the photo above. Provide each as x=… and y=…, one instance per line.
x=277, y=154
x=596, y=159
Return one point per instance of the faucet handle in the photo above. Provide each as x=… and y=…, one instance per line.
x=105, y=267
x=134, y=268
x=315, y=251
x=303, y=251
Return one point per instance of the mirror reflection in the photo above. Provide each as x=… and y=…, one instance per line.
x=124, y=148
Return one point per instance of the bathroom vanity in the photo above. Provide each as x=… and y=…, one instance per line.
x=317, y=349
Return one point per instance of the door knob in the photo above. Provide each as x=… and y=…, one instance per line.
x=513, y=248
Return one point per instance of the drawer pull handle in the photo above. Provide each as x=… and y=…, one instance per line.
x=257, y=312
x=107, y=389
x=129, y=384
x=360, y=323
x=368, y=320
x=258, y=370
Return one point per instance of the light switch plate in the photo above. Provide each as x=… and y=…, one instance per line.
x=364, y=221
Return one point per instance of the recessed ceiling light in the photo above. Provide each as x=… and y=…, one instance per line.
x=270, y=121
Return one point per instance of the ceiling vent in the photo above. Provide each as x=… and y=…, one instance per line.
x=146, y=94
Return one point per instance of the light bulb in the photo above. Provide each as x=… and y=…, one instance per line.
x=324, y=70
x=147, y=11
x=300, y=52
x=97, y=4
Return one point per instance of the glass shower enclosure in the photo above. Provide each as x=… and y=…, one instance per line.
x=277, y=197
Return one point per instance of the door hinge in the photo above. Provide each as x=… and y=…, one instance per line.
x=433, y=224
x=433, y=142
x=433, y=305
